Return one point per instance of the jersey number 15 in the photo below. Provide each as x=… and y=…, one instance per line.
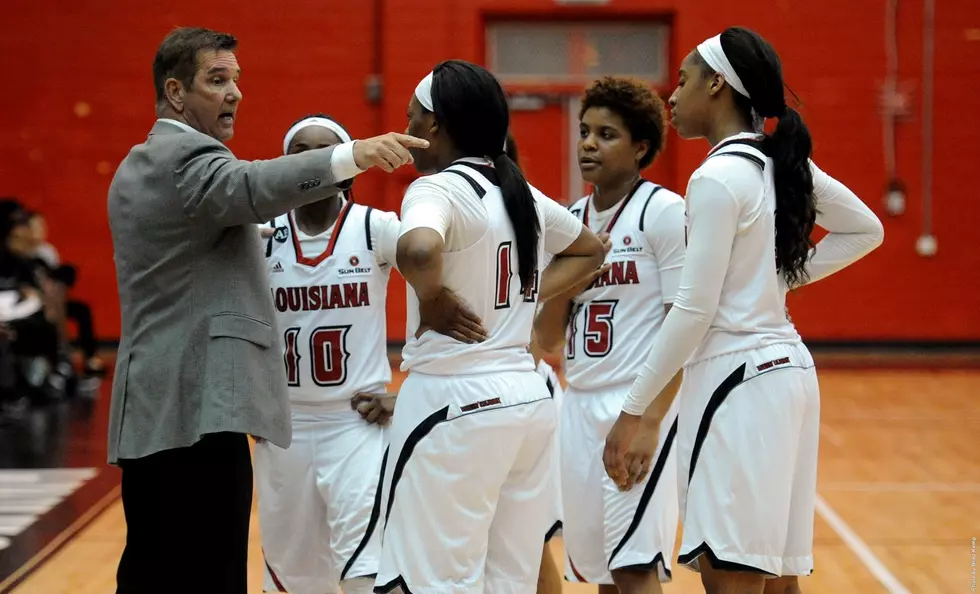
x=328, y=356
x=598, y=340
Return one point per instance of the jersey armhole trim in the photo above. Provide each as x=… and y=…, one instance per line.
x=473, y=183
x=367, y=228
x=643, y=213
x=747, y=156
x=268, y=244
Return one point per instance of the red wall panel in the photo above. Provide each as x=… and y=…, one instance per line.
x=308, y=55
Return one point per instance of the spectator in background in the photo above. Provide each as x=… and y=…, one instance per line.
x=27, y=311
x=64, y=275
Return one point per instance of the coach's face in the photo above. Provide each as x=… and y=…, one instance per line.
x=211, y=104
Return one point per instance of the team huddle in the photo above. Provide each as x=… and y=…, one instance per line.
x=691, y=400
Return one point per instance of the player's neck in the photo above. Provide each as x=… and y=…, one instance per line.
x=727, y=127
x=315, y=218
x=609, y=195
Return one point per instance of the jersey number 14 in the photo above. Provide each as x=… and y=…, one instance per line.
x=328, y=356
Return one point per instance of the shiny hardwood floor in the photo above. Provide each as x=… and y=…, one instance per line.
x=899, y=495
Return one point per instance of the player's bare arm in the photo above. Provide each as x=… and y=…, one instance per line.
x=419, y=257
x=579, y=260
x=551, y=321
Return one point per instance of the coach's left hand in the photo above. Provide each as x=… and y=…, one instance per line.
x=375, y=408
x=618, y=441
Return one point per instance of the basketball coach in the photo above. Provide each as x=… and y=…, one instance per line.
x=200, y=360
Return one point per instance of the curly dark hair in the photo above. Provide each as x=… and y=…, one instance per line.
x=642, y=110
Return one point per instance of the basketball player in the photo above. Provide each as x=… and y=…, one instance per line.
x=749, y=405
x=329, y=264
x=467, y=482
x=620, y=539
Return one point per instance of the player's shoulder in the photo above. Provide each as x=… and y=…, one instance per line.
x=578, y=206
x=732, y=164
x=658, y=195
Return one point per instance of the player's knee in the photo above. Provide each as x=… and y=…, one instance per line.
x=637, y=581
x=783, y=585
x=361, y=585
x=720, y=581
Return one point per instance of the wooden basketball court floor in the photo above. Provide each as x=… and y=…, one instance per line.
x=898, y=508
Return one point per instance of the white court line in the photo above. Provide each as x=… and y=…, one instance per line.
x=913, y=416
x=860, y=549
x=902, y=487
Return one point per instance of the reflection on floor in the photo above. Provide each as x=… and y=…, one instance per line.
x=52, y=471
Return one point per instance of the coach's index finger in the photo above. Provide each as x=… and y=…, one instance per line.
x=409, y=141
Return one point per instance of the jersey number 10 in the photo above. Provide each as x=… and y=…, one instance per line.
x=328, y=356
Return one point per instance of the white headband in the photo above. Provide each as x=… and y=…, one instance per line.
x=329, y=124
x=714, y=55
x=423, y=92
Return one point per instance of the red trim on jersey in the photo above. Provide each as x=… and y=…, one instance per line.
x=575, y=571
x=612, y=221
x=337, y=226
x=275, y=578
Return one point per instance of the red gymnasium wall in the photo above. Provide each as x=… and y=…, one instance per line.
x=79, y=94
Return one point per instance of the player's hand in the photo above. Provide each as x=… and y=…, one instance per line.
x=640, y=453
x=387, y=152
x=618, y=441
x=448, y=315
x=606, y=242
x=266, y=232
x=374, y=408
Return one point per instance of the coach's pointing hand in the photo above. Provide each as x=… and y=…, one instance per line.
x=387, y=152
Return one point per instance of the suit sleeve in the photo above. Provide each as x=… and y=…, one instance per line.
x=213, y=185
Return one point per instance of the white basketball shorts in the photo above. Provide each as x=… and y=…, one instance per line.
x=467, y=494
x=554, y=387
x=605, y=528
x=747, y=457
x=319, y=501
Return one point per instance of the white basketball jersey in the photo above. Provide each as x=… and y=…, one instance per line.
x=613, y=323
x=330, y=303
x=484, y=276
x=752, y=306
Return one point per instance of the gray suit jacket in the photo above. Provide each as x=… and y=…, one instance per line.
x=199, y=351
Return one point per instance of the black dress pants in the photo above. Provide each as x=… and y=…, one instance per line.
x=187, y=517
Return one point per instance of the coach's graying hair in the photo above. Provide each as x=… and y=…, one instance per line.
x=789, y=146
x=177, y=55
x=470, y=104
